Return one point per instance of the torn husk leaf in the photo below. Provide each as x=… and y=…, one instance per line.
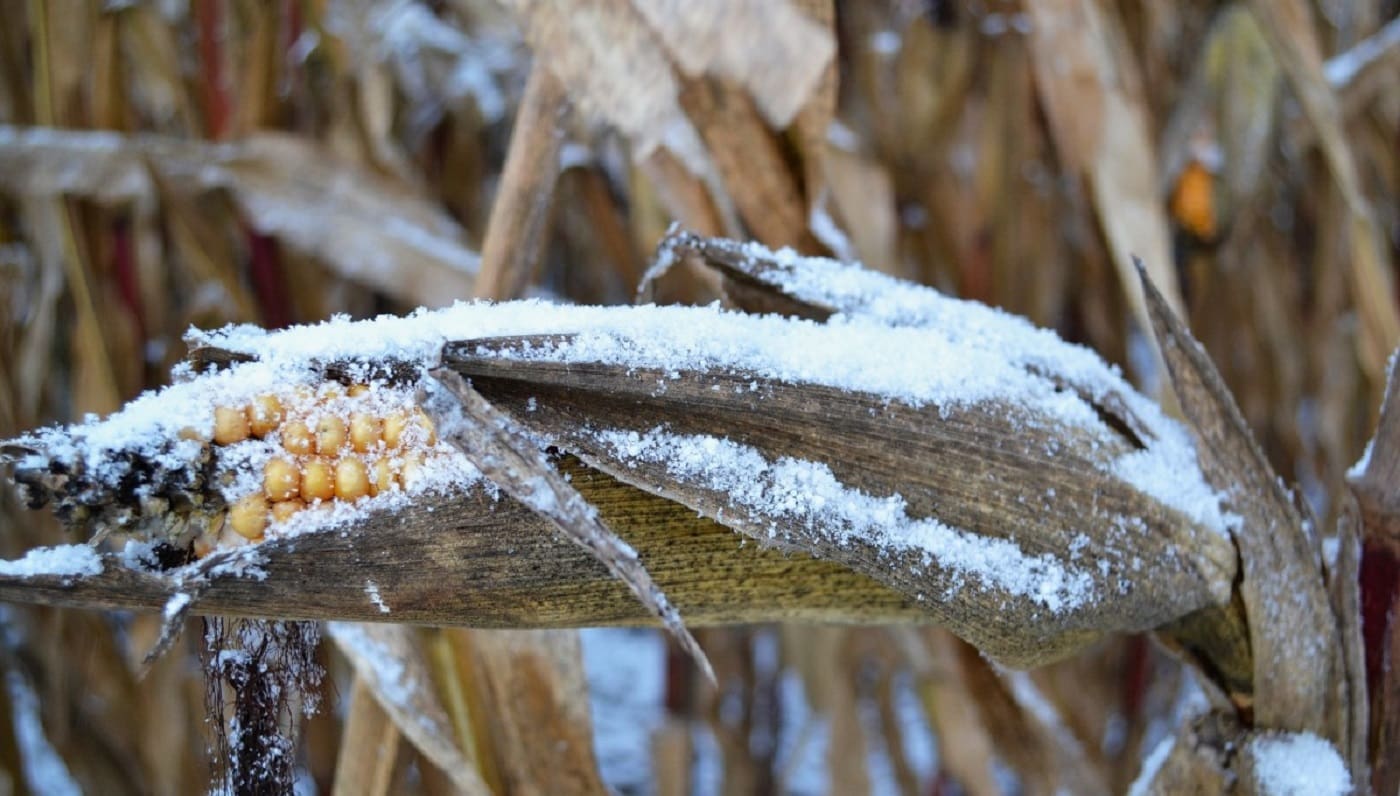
x=497, y=445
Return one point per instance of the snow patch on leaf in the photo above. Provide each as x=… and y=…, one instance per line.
x=69, y=560
x=1299, y=764
x=793, y=493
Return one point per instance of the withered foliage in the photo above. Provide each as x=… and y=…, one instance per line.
x=164, y=165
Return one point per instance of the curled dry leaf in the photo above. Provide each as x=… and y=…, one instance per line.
x=369, y=229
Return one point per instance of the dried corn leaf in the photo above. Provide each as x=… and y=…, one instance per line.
x=392, y=667
x=1298, y=659
x=1092, y=95
x=534, y=707
x=369, y=229
x=775, y=51
x=750, y=160
x=597, y=48
x=1288, y=26
x=518, y=228
x=369, y=747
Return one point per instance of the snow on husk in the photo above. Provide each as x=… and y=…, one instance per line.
x=69, y=560
x=804, y=494
x=1298, y=764
x=901, y=342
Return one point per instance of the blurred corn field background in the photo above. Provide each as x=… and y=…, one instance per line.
x=168, y=164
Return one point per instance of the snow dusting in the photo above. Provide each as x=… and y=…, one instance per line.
x=807, y=494
x=1358, y=470
x=372, y=592
x=1299, y=764
x=69, y=560
x=175, y=605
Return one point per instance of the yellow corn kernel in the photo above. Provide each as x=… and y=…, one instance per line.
x=248, y=517
x=230, y=424
x=284, y=510
x=426, y=423
x=189, y=433
x=264, y=415
x=330, y=434
x=382, y=477
x=297, y=438
x=351, y=479
x=411, y=469
x=365, y=432
x=356, y=390
x=394, y=426
x=1193, y=201
x=281, y=479
x=317, y=480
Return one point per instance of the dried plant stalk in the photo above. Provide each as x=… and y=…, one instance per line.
x=517, y=231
